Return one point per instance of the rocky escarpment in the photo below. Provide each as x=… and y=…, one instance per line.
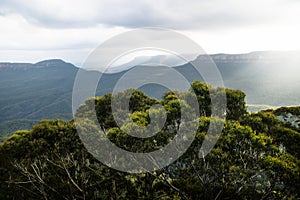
x=289, y=115
x=26, y=66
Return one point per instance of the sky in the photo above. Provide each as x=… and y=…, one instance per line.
x=35, y=30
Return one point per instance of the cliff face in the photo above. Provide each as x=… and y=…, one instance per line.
x=261, y=57
x=16, y=66
x=27, y=66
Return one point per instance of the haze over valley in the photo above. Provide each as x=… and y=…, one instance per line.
x=31, y=92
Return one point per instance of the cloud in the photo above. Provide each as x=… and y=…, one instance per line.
x=146, y=13
x=73, y=28
x=21, y=41
x=18, y=34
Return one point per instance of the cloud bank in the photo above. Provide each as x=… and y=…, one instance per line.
x=176, y=14
x=73, y=25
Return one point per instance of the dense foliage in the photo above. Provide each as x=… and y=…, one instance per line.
x=256, y=157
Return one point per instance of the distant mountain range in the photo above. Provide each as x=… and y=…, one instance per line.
x=168, y=60
x=30, y=92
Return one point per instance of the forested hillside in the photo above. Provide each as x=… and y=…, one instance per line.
x=31, y=92
x=256, y=156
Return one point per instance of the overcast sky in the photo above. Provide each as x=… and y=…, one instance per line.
x=33, y=30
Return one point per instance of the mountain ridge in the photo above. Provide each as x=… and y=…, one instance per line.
x=43, y=90
x=37, y=65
